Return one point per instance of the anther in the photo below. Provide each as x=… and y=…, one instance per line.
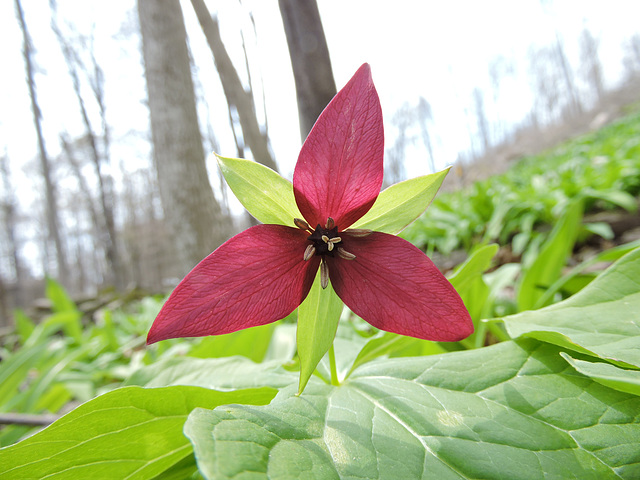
x=359, y=232
x=342, y=253
x=301, y=224
x=330, y=223
x=309, y=252
x=324, y=274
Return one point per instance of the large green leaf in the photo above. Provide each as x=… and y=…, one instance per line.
x=515, y=410
x=265, y=194
x=318, y=318
x=602, y=319
x=400, y=204
x=132, y=433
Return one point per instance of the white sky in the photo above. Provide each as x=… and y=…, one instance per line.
x=439, y=50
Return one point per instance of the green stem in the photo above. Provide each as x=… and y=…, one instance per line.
x=332, y=364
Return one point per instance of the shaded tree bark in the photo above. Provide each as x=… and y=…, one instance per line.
x=53, y=222
x=188, y=202
x=312, y=72
x=237, y=97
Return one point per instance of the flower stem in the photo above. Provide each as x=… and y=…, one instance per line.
x=332, y=364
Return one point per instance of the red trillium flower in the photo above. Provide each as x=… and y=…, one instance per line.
x=263, y=274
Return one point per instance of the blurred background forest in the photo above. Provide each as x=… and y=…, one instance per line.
x=110, y=112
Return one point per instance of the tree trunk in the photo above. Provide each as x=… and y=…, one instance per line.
x=189, y=205
x=237, y=96
x=315, y=86
x=53, y=221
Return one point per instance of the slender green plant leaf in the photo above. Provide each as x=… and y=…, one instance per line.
x=132, y=433
x=318, y=318
x=600, y=320
x=265, y=194
x=378, y=346
x=515, y=410
x=400, y=204
x=625, y=380
x=549, y=263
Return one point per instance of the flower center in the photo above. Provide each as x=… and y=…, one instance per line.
x=324, y=240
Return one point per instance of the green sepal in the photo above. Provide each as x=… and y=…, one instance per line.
x=264, y=193
x=318, y=318
x=402, y=203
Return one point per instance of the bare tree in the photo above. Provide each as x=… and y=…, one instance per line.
x=105, y=224
x=8, y=208
x=500, y=67
x=402, y=120
x=481, y=118
x=546, y=83
x=631, y=60
x=312, y=72
x=188, y=202
x=590, y=65
x=425, y=118
x=240, y=101
x=53, y=221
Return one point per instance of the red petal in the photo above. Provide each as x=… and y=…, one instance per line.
x=395, y=287
x=340, y=167
x=257, y=277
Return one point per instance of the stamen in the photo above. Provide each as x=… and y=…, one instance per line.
x=330, y=223
x=301, y=224
x=359, y=232
x=309, y=252
x=324, y=274
x=342, y=253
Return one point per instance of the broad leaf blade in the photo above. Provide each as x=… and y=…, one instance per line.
x=318, y=318
x=514, y=410
x=265, y=194
x=131, y=433
x=400, y=204
x=601, y=320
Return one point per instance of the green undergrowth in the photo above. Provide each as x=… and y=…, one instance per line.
x=548, y=385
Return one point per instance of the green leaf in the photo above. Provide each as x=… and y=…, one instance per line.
x=385, y=344
x=515, y=410
x=218, y=373
x=318, y=318
x=132, y=433
x=400, y=204
x=468, y=282
x=627, y=381
x=608, y=255
x=250, y=342
x=61, y=302
x=265, y=194
x=548, y=264
x=602, y=319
